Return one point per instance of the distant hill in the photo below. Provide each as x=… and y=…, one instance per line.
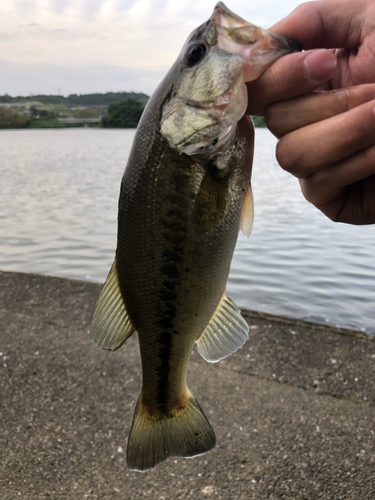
x=73, y=100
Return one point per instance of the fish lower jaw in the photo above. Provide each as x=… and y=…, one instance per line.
x=217, y=144
x=221, y=103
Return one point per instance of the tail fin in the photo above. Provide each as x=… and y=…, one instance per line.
x=153, y=438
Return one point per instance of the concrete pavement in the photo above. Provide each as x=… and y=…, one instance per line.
x=293, y=410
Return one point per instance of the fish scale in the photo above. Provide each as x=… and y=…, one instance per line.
x=184, y=195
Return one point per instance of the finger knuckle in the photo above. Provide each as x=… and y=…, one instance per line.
x=344, y=101
x=307, y=190
x=354, y=126
x=310, y=12
x=280, y=79
x=282, y=154
x=273, y=117
x=316, y=184
x=362, y=94
x=347, y=130
x=368, y=160
x=288, y=158
x=313, y=189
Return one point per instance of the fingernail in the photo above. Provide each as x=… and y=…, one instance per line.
x=320, y=65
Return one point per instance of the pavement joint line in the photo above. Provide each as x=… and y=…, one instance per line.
x=346, y=332
x=304, y=388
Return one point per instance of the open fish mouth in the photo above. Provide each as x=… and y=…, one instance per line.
x=258, y=47
x=197, y=128
x=209, y=95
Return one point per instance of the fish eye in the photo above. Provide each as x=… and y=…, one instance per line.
x=195, y=53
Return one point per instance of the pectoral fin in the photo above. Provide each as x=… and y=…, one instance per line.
x=110, y=324
x=225, y=334
x=211, y=202
x=247, y=215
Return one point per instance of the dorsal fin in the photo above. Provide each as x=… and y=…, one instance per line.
x=247, y=215
x=226, y=332
x=110, y=324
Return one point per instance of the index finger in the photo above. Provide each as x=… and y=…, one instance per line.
x=285, y=116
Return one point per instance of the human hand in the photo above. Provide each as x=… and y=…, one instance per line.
x=326, y=139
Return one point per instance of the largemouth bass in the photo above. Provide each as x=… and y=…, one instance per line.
x=184, y=195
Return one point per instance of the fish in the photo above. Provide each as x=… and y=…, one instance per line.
x=184, y=196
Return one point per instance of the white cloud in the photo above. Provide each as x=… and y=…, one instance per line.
x=136, y=36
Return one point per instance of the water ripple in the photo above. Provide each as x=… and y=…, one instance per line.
x=58, y=213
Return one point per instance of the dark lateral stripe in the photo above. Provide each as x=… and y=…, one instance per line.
x=173, y=240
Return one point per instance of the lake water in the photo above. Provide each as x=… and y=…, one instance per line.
x=58, y=211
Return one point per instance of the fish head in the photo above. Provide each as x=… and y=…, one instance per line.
x=209, y=95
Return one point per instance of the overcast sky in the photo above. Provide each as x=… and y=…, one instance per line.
x=86, y=46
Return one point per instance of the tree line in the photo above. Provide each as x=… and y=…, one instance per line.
x=127, y=115
x=123, y=115
x=119, y=115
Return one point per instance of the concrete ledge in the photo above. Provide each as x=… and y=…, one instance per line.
x=293, y=410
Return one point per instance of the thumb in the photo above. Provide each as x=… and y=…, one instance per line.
x=291, y=76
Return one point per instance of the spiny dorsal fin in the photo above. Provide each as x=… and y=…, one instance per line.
x=110, y=324
x=226, y=332
x=247, y=215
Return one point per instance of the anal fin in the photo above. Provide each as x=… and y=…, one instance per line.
x=226, y=332
x=110, y=324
